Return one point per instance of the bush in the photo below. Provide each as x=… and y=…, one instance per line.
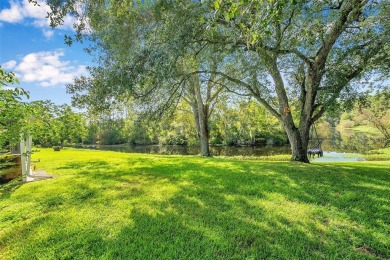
x=57, y=148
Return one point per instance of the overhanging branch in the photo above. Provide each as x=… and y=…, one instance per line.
x=336, y=94
x=248, y=87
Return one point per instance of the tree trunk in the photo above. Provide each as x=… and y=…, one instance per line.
x=297, y=136
x=298, y=145
x=203, y=124
x=204, y=143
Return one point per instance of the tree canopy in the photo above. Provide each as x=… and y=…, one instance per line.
x=295, y=57
x=12, y=110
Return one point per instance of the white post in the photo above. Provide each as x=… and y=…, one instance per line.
x=23, y=158
x=28, y=154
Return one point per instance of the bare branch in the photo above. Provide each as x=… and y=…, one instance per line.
x=237, y=93
x=250, y=88
x=336, y=93
x=298, y=54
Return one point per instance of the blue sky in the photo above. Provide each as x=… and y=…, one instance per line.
x=37, y=53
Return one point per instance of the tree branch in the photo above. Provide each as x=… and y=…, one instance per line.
x=336, y=94
x=250, y=88
x=349, y=9
x=298, y=54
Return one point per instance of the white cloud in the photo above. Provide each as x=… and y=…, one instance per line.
x=46, y=68
x=11, y=15
x=25, y=12
x=21, y=10
x=9, y=65
x=48, y=33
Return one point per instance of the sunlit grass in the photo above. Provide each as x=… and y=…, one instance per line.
x=109, y=205
x=378, y=155
x=270, y=158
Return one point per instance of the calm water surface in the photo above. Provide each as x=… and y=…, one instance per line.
x=194, y=150
x=337, y=146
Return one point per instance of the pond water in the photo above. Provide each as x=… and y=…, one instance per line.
x=349, y=141
x=337, y=146
x=194, y=150
x=338, y=157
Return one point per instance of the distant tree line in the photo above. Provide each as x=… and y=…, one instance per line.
x=236, y=120
x=247, y=123
x=233, y=122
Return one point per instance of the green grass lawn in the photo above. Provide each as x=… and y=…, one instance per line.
x=378, y=155
x=109, y=205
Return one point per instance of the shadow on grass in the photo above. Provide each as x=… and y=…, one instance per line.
x=90, y=165
x=213, y=208
x=168, y=235
x=357, y=193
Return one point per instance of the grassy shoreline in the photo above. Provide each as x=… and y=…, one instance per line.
x=110, y=205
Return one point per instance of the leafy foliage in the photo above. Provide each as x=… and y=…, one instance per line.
x=56, y=124
x=13, y=111
x=374, y=112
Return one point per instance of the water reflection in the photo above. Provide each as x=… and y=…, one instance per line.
x=347, y=141
x=350, y=141
x=338, y=157
x=194, y=150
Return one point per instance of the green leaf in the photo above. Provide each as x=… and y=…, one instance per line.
x=216, y=5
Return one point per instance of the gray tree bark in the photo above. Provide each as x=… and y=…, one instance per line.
x=202, y=117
